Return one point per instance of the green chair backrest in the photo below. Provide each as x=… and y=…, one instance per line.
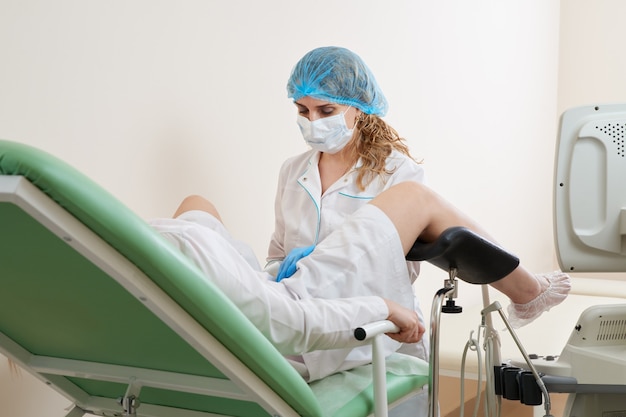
x=80, y=313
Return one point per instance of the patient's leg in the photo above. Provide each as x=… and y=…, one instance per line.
x=196, y=202
x=419, y=212
x=198, y=209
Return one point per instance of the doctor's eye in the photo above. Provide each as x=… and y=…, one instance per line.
x=328, y=111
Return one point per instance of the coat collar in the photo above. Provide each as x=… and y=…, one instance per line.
x=310, y=178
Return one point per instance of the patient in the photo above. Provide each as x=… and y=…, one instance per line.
x=305, y=326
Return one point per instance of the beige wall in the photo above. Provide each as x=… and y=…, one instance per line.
x=159, y=99
x=591, y=66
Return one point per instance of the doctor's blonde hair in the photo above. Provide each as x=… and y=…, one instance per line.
x=374, y=143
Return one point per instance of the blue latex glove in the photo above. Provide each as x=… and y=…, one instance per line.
x=288, y=266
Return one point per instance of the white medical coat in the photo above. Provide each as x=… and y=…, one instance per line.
x=305, y=217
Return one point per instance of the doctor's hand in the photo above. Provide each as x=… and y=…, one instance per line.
x=411, y=330
x=288, y=266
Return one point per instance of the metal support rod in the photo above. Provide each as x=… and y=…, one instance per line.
x=433, y=374
x=379, y=370
x=376, y=333
x=493, y=355
x=130, y=400
x=496, y=306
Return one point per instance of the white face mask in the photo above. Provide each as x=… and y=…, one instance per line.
x=328, y=134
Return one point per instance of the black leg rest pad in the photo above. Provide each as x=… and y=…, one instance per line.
x=477, y=260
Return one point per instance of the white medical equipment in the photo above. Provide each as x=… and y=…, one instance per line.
x=590, y=231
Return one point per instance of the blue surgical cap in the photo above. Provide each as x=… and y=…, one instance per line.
x=337, y=75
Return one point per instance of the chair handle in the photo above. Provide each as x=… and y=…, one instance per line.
x=375, y=328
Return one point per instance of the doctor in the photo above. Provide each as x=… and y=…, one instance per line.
x=355, y=156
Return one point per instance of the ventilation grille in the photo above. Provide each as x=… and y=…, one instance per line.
x=615, y=131
x=612, y=330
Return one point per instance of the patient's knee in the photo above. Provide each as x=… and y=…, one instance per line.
x=197, y=202
x=412, y=190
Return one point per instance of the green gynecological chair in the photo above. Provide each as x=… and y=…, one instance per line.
x=98, y=306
